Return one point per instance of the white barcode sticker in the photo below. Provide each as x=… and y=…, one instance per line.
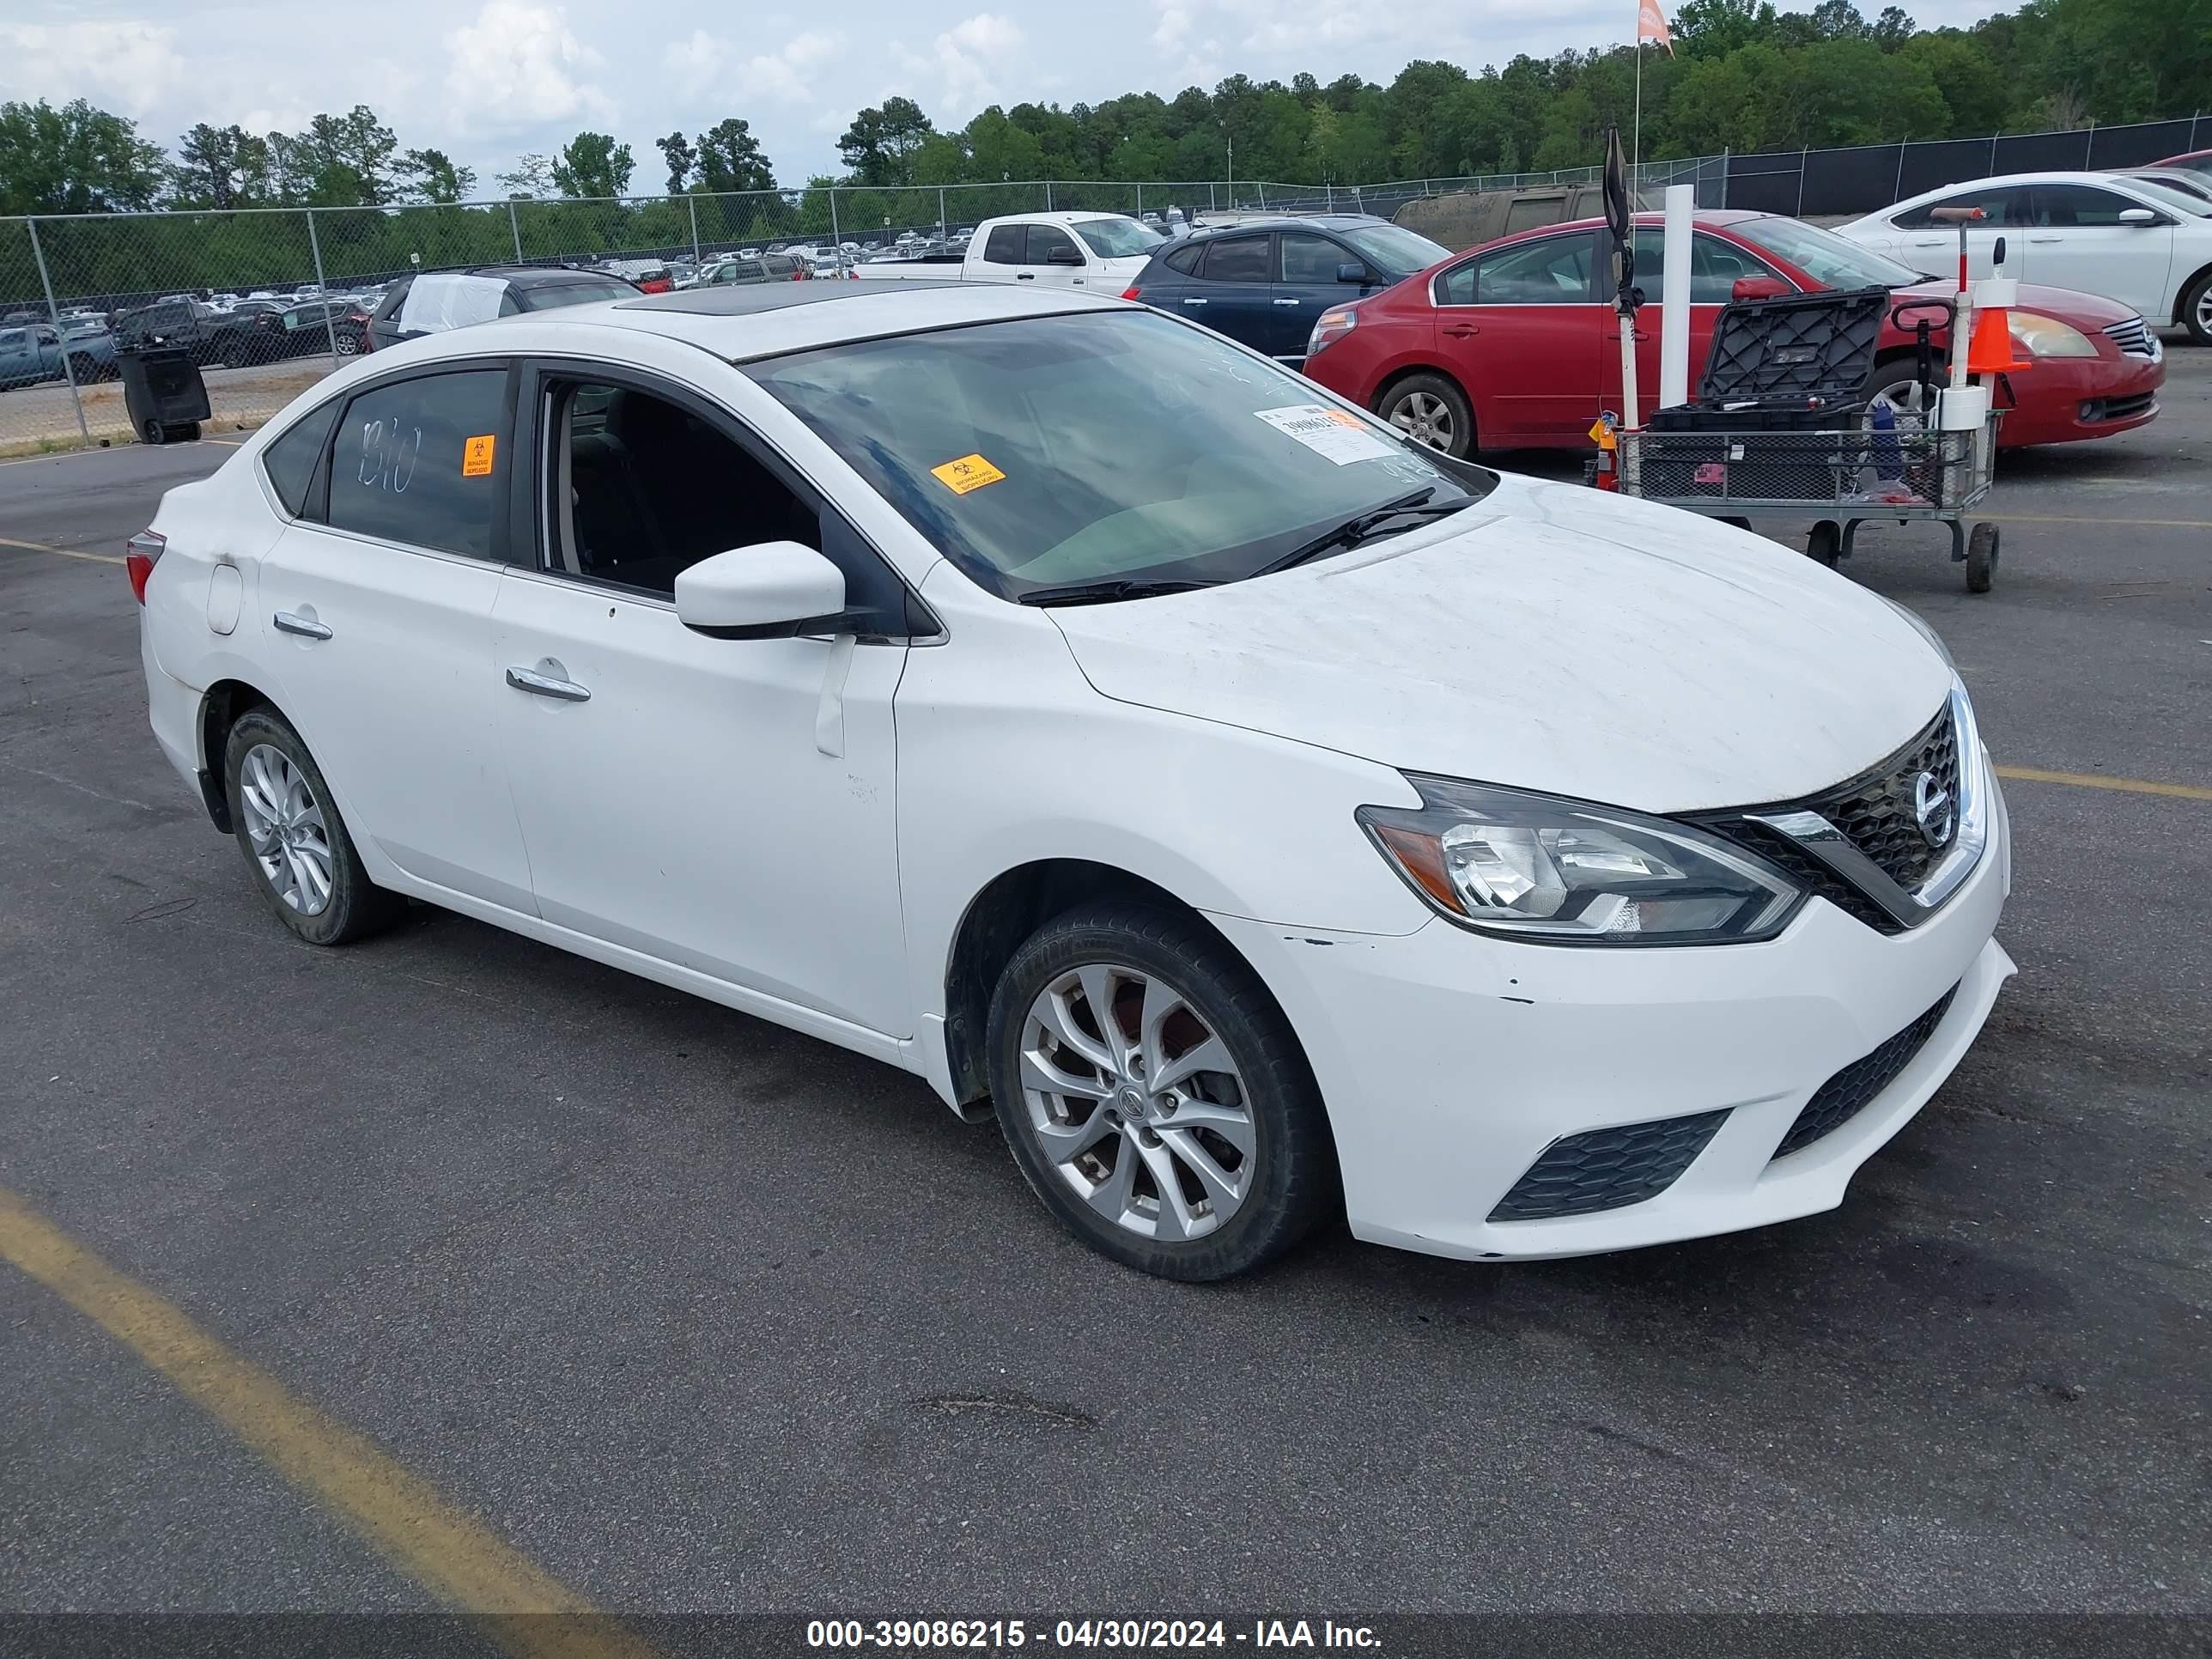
x=1332, y=433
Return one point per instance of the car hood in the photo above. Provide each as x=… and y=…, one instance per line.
x=2087, y=311
x=1550, y=637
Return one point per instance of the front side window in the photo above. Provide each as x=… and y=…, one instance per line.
x=1831, y=260
x=423, y=461
x=1239, y=259
x=1308, y=260
x=1052, y=247
x=1100, y=446
x=2000, y=204
x=1715, y=265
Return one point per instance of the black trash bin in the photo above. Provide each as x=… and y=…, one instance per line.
x=164, y=392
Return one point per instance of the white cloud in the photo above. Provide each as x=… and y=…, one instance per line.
x=129, y=67
x=706, y=62
x=971, y=57
x=1174, y=25
x=517, y=66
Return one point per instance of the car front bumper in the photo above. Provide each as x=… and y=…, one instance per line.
x=1451, y=1060
x=2058, y=400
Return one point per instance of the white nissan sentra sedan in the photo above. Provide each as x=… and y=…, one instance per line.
x=1066, y=704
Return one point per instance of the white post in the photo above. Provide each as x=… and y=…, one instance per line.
x=323, y=289
x=54, y=317
x=514, y=227
x=692, y=201
x=1674, y=299
x=1636, y=139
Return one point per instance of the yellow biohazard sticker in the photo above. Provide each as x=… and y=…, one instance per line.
x=475, y=456
x=969, y=472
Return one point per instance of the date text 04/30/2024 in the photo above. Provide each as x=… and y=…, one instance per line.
x=1088, y=1633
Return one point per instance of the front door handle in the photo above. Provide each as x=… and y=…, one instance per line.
x=1286, y=302
x=288, y=624
x=1460, y=331
x=2046, y=239
x=1025, y=275
x=546, y=685
x=1194, y=303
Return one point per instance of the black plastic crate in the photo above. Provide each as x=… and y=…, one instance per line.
x=1808, y=345
x=1790, y=412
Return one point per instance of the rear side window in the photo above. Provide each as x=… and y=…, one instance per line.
x=290, y=460
x=424, y=461
x=1184, y=261
x=394, y=297
x=550, y=297
x=1004, y=246
x=1239, y=259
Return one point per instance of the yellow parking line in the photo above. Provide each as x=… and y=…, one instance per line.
x=2054, y=518
x=2093, y=781
x=61, y=552
x=455, y=1556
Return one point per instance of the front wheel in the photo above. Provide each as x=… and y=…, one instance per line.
x=290, y=829
x=1431, y=412
x=1154, y=1096
x=2197, y=310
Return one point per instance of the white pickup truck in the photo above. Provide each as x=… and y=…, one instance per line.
x=1096, y=251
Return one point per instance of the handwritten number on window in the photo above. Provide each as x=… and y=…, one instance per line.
x=388, y=456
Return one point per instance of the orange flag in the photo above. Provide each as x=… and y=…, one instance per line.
x=1651, y=25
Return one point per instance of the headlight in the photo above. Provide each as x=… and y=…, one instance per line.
x=1565, y=873
x=2046, y=336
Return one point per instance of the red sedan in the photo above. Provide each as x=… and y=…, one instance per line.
x=1512, y=345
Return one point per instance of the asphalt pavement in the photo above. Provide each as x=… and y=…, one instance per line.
x=695, y=1313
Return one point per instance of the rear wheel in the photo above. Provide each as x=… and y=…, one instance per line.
x=1981, y=558
x=2197, y=310
x=1153, y=1095
x=1431, y=412
x=290, y=829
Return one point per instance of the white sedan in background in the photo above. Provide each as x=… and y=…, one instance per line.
x=2126, y=238
x=1271, y=818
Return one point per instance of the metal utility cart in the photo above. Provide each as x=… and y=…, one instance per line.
x=1844, y=463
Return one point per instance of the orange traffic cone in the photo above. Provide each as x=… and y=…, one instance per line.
x=1991, y=350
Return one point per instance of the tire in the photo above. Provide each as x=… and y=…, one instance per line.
x=1981, y=558
x=1824, y=546
x=1264, y=1140
x=348, y=345
x=2197, y=310
x=82, y=370
x=344, y=905
x=1432, y=412
x=233, y=357
x=151, y=431
x=1893, y=376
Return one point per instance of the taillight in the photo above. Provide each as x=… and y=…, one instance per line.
x=140, y=553
x=1331, y=326
x=1132, y=291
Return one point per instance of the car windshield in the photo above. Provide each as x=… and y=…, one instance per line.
x=1393, y=248
x=1117, y=239
x=2177, y=201
x=1829, y=260
x=1104, y=447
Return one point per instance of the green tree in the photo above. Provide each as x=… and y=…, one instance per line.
x=731, y=158
x=531, y=176
x=76, y=159
x=879, y=148
x=682, y=160
x=345, y=161
x=593, y=165
x=430, y=175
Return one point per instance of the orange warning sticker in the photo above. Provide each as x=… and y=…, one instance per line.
x=475, y=456
x=969, y=472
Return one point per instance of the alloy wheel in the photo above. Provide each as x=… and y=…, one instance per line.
x=1136, y=1102
x=2204, y=310
x=1424, y=418
x=284, y=824
x=1909, y=397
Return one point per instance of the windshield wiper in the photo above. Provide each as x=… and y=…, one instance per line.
x=1354, y=531
x=1104, y=592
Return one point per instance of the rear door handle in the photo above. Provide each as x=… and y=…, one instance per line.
x=1286, y=302
x=1194, y=303
x=546, y=685
x=2046, y=239
x=288, y=624
x=1025, y=275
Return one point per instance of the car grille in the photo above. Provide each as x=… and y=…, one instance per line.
x=1875, y=810
x=1606, y=1168
x=1844, y=1096
x=2132, y=336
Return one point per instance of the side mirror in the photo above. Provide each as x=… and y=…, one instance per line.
x=770, y=591
x=1759, y=287
x=1064, y=256
x=2137, y=215
x=1352, y=272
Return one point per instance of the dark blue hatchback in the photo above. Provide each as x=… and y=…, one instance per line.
x=1263, y=283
